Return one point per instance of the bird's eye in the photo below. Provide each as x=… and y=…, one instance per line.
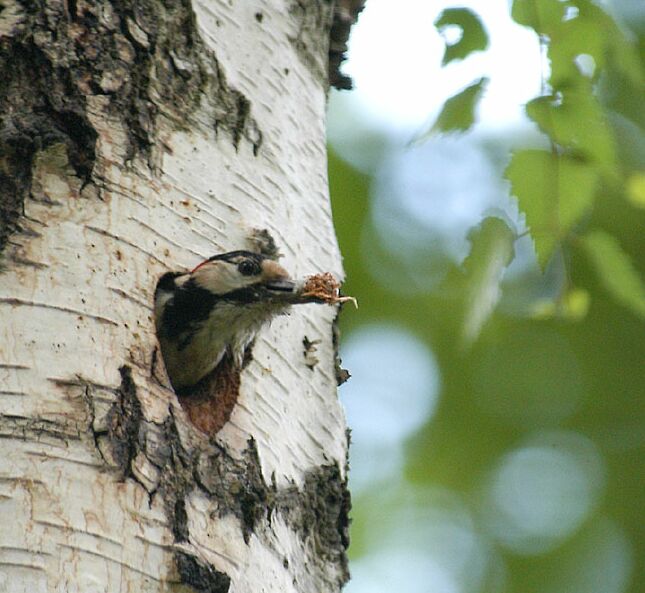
x=248, y=267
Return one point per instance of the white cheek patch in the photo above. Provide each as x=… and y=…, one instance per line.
x=221, y=277
x=160, y=304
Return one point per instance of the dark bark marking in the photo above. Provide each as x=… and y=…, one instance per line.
x=314, y=21
x=342, y=375
x=39, y=106
x=201, y=577
x=237, y=485
x=243, y=107
x=124, y=423
x=261, y=241
x=324, y=27
x=309, y=352
x=318, y=511
x=180, y=521
x=60, y=53
x=129, y=435
x=345, y=15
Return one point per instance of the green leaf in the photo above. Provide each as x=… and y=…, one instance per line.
x=458, y=113
x=576, y=37
x=553, y=191
x=473, y=35
x=587, y=31
x=492, y=250
x=624, y=56
x=575, y=120
x=575, y=187
x=603, y=29
x=543, y=16
x=531, y=175
x=615, y=270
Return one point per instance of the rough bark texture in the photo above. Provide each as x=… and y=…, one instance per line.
x=137, y=137
x=345, y=15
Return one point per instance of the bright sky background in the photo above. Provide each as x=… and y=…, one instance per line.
x=441, y=188
x=395, y=57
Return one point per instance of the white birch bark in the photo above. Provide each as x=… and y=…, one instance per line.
x=104, y=485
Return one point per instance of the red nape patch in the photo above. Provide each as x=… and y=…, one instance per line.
x=206, y=261
x=209, y=403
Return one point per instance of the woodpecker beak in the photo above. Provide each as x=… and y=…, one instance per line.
x=276, y=278
x=280, y=285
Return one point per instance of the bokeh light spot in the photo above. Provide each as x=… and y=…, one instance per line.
x=433, y=527
x=541, y=493
x=600, y=561
x=433, y=195
x=400, y=570
x=394, y=383
x=392, y=392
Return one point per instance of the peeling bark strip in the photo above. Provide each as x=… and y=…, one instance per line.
x=27, y=428
x=345, y=15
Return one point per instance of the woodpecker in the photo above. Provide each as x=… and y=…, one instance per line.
x=216, y=309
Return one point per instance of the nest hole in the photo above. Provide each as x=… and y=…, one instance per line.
x=210, y=402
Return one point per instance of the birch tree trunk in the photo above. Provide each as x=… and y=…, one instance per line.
x=138, y=137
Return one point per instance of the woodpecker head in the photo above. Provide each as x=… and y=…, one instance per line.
x=237, y=277
x=216, y=308
x=245, y=274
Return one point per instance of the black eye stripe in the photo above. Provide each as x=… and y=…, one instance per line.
x=235, y=256
x=247, y=262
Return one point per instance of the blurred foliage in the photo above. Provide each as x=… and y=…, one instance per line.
x=615, y=270
x=473, y=36
x=458, y=112
x=571, y=364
